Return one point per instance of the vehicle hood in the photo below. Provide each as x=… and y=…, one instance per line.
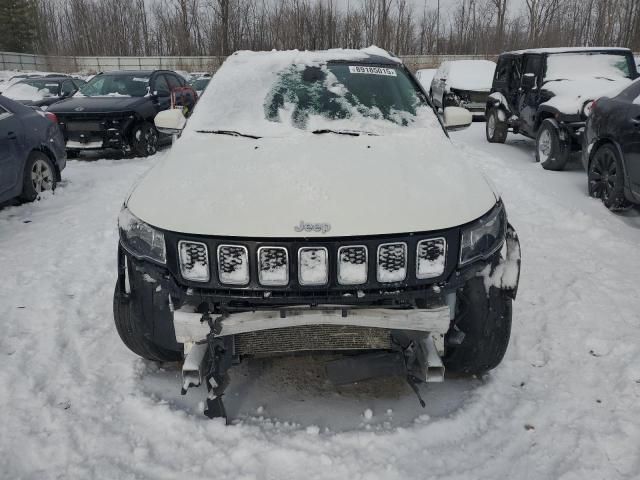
x=97, y=104
x=569, y=96
x=367, y=185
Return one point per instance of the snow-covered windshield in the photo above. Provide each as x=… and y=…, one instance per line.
x=573, y=66
x=282, y=93
x=32, y=90
x=120, y=85
x=308, y=96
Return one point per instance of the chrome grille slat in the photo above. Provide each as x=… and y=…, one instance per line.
x=233, y=264
x=352, y=265
x=431, y=255
x=392, y=262
x=194, y=261
x=313, y=266
x=273, y=266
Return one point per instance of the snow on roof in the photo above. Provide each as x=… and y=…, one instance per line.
x=235, y=97
x=568, y=50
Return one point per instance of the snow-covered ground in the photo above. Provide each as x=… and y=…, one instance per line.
x=564, y=404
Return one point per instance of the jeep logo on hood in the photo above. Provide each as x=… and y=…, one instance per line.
x=312, y=227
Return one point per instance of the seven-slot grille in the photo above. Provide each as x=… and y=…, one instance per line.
x=348, y=265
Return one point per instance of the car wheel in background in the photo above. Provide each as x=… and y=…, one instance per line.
x=495, y=128
x=126, y=320
x=551, y=150
x=39, y=176
x=606, y=180
x=144, y=139
x=485, y=319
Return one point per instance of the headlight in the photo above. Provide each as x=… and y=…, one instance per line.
x=140, y=239
x=483, y=237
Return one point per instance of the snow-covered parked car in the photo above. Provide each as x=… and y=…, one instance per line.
x=463, y=83
x=43, y=92
x=314, y=203
x=546, y=94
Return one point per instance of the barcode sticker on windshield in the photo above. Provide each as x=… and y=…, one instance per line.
x=388, y=72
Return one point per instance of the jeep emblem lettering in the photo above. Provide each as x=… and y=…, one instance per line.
x=312, y=227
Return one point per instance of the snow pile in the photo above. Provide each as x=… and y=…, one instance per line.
x=471, y=75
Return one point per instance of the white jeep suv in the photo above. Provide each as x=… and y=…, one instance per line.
x=314, y=202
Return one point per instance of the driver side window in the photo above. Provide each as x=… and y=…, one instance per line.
x=68, y=88
x=161, y=86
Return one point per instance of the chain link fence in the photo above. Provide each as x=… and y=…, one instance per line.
x=69, y=64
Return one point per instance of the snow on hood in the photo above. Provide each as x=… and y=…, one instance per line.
x=234, y=99
x=571, y=95
x=471, y=75
x=580, y=77
x=235, y=186
x=25, y=92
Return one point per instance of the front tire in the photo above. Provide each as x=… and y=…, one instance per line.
x=496, y=129
x=551, y=151
x=606, y=180
x=39, y=176
x=485, y=321
x=144, y=139
x=126, y=320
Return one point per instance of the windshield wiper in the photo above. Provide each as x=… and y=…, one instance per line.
x=353, y=133
x=233, y=133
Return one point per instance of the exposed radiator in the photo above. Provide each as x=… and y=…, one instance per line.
x=312, y=338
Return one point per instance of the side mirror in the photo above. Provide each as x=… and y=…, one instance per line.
x=528, y=81
x=457, y=118
x=170, y=121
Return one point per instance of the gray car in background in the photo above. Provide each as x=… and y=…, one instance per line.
x=32, y=151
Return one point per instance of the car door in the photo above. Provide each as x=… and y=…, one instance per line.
x=529, y=98
x=10, y=161
x=629, y=135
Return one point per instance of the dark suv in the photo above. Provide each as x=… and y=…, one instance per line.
x=116, y=110
x=546, y=94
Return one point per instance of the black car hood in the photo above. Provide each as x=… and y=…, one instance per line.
x=98, y=104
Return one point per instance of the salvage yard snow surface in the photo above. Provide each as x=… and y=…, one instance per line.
x=564, y=404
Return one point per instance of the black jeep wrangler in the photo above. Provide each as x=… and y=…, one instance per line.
x=116, y=110
x=546, y=94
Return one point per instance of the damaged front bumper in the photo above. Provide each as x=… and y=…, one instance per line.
x=407, y=329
